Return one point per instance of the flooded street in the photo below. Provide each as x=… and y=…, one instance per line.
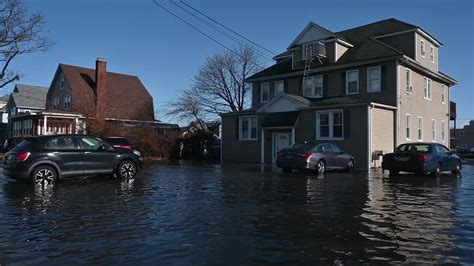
x=240, y=215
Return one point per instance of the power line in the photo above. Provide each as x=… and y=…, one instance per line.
x=192, y=26
x=227, y=28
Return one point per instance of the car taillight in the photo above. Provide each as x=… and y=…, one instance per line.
x=22, y=156
x=423, y=158
x=126, y=147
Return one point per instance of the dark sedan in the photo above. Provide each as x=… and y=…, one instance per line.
x=314, y=156
x=422, y=158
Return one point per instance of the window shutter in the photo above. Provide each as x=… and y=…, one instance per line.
x=343, y=82
x=325, y=86
x=237, y=128
x=383, y=77
x=346, y=122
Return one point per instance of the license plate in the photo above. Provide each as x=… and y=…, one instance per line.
x=402, y=159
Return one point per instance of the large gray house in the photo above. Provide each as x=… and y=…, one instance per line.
x=366, y=89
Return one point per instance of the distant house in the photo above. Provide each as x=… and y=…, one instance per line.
x=465, y=137
x=366, y=89
x=79, y=96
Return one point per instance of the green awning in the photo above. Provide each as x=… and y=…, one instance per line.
x=283, y=119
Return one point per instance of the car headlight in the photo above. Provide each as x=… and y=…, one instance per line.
x=137, y=153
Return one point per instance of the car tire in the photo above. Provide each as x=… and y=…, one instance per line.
x=457, y=170
x=287, y=170
x=320, y=167
x=393, y=172
x=350, y=166
x=127, y=169
x=44, y=175
x=437, y=171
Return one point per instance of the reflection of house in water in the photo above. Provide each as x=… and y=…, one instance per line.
x=410, y=217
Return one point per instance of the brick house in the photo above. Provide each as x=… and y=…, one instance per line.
x=366, y=89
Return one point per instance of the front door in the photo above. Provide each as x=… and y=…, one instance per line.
x=281, y=140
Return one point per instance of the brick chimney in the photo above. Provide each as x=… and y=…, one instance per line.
x=101, y=86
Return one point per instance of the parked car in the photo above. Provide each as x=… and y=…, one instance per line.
x=422, y=158
x=118, y=142
x=314, y=156
x=44, y=159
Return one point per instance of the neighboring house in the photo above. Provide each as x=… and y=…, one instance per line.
x=366, y=89
x=78, y=96
x=465, y=137
x=3, y=118
x=25, y=100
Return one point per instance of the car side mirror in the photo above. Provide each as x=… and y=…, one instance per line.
x=103, y=148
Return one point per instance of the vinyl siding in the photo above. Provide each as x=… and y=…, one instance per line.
x=234, y=150
x=382, y=133
x=426, y=61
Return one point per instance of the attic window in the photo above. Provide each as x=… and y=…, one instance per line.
x=61, y=84
x=422, y=48
x=314, y=49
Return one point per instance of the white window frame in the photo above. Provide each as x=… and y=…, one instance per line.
x=422, y=48
x=443, y=94
x=267, y=87
x=330, y=114
x=433, y=130
x=419, y=132
x=379, y=79
x=432, y=59
x=427, y=88
x=347, y=81
x=276, y=86
x=408, y=78
x=408, y=127
x=443, y=131
x=313, y=87
x=249, y=117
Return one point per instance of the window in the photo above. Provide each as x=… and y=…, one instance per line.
x=427, y=88
x=352, y=82
x=61, y=84
x=87, y=143
x=313, y=87
x=443, y=131
x=409, y=87
x=313, y=49
x=264, y=92
x=61, y=143
x=441, y=149
x=329, y=124
x=248, y=128
x=324, y=148
x=422, y=48
x=432, y=54
x=335, y=148
x=433, y=130
x=443, y=93
x=420, y=128
x=373, y=79
x=408, y=127
x=279, y=87
x=67, y=102
x=55, y=103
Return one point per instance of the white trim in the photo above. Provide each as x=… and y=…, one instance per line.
x=339, y=41
x=330, y=124
x=293, y=136
x=422, y=48
x=261, y=91
x=433, y=130
x=408, y=127
x=262, y=147
x=274, y=143
x=311, y=24
x=347, y=81
x=409, y=85
x=443, y=131
x=427, y=88
x=397, y=115
x=418, y=128
x=417, y=30
x=443, y=94
x=293, y=98
x=250, y=128
x=383, y=106
x=368, y=78
x=369, y=135
x=432, y=54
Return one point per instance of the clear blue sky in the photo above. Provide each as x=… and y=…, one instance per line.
x=138, y=38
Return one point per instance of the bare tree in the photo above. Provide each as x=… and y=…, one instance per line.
x=20, y=33
x=220, y=84
x=187, y=107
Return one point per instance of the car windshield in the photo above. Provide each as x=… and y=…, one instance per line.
x=303, y=146
x=117, y=141
x=418, y=148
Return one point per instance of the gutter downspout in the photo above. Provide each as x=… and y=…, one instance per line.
x=397, y=119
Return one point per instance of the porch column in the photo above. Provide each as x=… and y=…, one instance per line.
x=45, y=125
x=262, y=147
x=38, y=129
x=293, y=138
x=77, y=126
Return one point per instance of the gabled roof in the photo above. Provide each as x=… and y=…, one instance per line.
x=308, y=27
x=127, y=96
x=29, y=96
x=5, y=98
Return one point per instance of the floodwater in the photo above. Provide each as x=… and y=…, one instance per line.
x=240, y=215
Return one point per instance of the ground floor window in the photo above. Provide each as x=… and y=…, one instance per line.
x=329, y=124
x=420, y=128
x=248, y=128
x=443, y=131
x=433, y=130
x=408, y=126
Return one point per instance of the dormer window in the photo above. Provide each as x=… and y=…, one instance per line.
x=432, y=54
x=422, y=48
x=61, y=84
x=313, y=49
